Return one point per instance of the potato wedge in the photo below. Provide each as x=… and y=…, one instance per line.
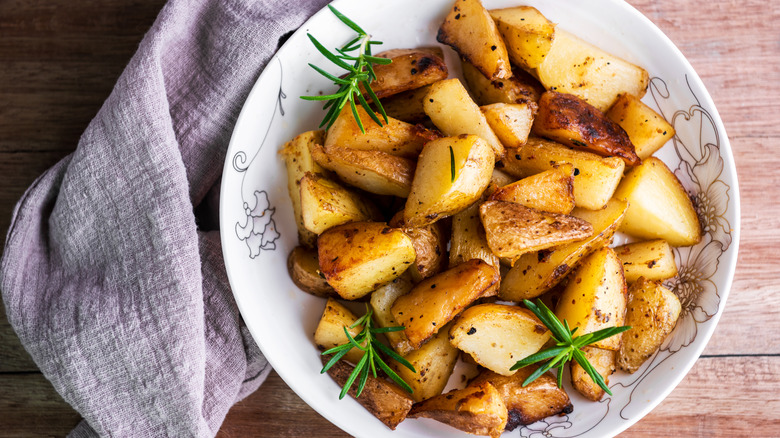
x=326, y=204
x=653, y=311
x=498, y=335
x=520, y=88
x=595, y=177
x=382, y=300
x=330, y=330
x=471, y=31
x=477, y=409
x=410, y=69
x=468, y=239
x=651, y=259
x=433, y=363
x=646, y=129
x=304, y=269
x=500, y=178
x=573, y=122
x=551, y=191
x=438, y=191
x=435, y=301
x=535, y=273
x=407, y=106
x=513, y=229
x=527, y=33
x=451, y=109
x=395, y=137
x=385, y=400
x=596, y=297
x=358, y=257
x=298, y=160
x=511, y=122
x=603, y=362
x=373, y=171
x=531, y=403
x=430, y=245
x=576, y=67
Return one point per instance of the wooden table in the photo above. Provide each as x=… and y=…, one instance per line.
x=59, y=60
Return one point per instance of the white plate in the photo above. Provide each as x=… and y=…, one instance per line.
x=258, y=229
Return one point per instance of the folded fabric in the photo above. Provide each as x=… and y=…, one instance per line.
x=114, y=285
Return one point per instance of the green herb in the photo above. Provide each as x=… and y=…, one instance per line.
x=452, y=165
x=371, y=358
x=566, y=348
x=359, y=72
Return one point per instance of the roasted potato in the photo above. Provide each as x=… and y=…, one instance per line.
x=534, y=273
x=410, y=69
x=381, y=302
x=603, y=362
x=326, y=204
x=451, y=173
x=385, y=400
x=471, y=31
x=652, y=259
x=527, y=33
x=573, y=122
x=498, y=335
x=298, y=160
x=304, y=269
x=433, y=363
x=511, y=122
x=477, y=409
x=373, y=171
x=595, y=177
x=451, y=109
x=358, y=257
x=435, y=301
x=531, y=403
x=430, y=245
x=520, y=88
x=407, y=106
x=646, y=129
x=653, y=311
x=330, y=330
x=659, y=207
x=595, y=297
x=394, y=137
x=551, y=191
x=513, y=229
x=468, y=239
x=500, y=178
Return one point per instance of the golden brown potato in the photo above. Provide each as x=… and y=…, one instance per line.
x=410, y=69
x=595, y=177
x=551, y=190
x=573, y=122
x=659, y=206
x=326, y=204
x=385, y=400
x=477, y=409
x=528, y=34
x=534, y=273
x=330, y=330
x=513, y=229
x=652, y=259
x=500, y=178
x=373, y=171
x=603, y=362
x=437, y=190
x=451, y=109
x=498, y=335
x=653, y=311
x=304, y=269
x=596, y=297
x=435, y=301
x=407, y=106
x=381, y=302
x=471, y=31
x=646, y=129
x=358, y=257
x=511, y=122
x=395, y=137
x=468, y=239
x=528, y=404
x=576, y=67
x=430, y=245
x=433, y=363
x=298, y=160
x=520, y=88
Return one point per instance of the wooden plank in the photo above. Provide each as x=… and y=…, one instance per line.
x=30, y=407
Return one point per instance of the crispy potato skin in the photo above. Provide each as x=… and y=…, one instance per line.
x=373, y=171
x=468, y=239
x=551, y=190
x=408, y=105
x=410, y=69
x=304, y=269
x=570, y=120
x=430, y=245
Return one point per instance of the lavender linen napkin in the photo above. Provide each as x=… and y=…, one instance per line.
x=114, y=290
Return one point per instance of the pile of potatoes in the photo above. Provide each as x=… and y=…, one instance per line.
x=476, y=196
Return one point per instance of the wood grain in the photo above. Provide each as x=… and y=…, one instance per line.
x=59, y=60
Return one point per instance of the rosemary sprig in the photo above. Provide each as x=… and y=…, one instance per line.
x=452, y=165
x=359, y=72
x=370, y=345
x=567, y=347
